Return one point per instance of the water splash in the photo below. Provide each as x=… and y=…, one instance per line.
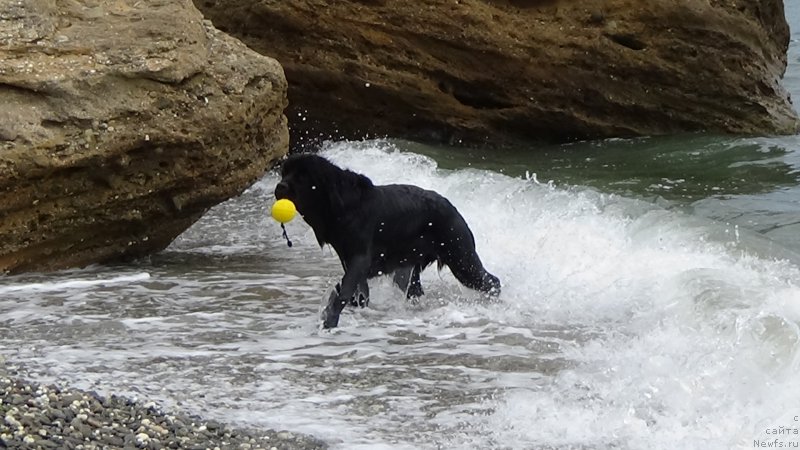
x=621, y=324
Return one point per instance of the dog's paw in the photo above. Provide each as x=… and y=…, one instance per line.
x=330, y=323
x=329, y=319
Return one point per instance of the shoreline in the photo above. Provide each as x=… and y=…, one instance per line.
x=52, y=416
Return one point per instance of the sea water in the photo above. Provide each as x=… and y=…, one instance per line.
x=640, y=308
x=622, y=324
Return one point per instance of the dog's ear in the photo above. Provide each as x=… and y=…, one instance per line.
x=350, y=187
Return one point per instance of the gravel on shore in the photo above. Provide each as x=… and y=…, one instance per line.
x=37, y=416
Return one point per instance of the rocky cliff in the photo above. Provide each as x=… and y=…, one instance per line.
x=494, y=70
x=121, y=123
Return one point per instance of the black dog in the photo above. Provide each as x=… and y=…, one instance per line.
x=379, y=230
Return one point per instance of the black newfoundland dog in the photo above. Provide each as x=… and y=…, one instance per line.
x=379, y=230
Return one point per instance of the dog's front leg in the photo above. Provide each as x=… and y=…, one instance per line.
x=355, y=274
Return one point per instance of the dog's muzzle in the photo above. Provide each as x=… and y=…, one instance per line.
x=282, y=191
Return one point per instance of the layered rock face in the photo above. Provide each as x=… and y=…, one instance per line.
x=121, y=123
x=473, y=71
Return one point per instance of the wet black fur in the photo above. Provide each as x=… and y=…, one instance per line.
x=380, y=230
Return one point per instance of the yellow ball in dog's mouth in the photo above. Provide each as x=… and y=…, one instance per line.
x=283, y=210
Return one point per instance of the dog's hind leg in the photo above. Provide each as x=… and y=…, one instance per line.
x=415, y=287
x=407, y=279
x=402, y=278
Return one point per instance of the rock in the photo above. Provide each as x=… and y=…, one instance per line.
x=502, y=70
x=122, y=123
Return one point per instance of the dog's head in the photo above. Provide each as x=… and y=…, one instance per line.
x=317, y=187
x=298, y=182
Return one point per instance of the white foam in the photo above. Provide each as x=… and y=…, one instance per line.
x=72, y=284
x=621, y=324
x=695, y=339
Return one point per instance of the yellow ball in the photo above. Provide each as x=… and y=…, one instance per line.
x=283, y=210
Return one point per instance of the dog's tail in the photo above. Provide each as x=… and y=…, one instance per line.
x=460, y=256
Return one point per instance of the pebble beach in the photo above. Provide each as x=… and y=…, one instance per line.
x=38, y=416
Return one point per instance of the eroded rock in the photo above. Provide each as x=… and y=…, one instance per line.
x=496, y=70
x=121, y=123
